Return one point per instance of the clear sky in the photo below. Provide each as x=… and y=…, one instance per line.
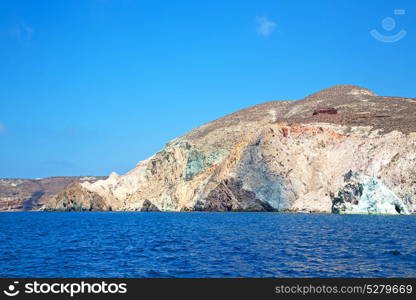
x=92, y=86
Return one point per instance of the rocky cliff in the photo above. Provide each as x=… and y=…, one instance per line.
x=276, y=156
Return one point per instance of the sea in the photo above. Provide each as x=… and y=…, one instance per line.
x=200, y=245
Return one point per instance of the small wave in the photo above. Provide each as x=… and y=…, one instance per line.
x=393, y=252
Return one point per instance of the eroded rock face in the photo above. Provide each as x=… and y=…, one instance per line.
x=366, y=195
x=274, y=157
x=230, y=195
x=149, y=206
x=76, y=198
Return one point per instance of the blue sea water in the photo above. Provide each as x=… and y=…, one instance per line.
x=206, y=245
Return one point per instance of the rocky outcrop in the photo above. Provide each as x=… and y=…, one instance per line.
x=76, y=198
x=276, y=156
x=33, y=194
x=230, y=195
x=149, y=206
x=366, y=195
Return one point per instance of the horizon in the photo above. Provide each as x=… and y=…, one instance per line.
x=96, y=86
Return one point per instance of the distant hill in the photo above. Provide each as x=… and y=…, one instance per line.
x=32, y=194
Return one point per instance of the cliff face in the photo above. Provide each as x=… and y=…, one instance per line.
x=276, y=156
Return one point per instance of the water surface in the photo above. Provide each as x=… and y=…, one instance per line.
x=206, y=245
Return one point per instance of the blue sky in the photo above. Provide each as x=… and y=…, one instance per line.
x=92, y=86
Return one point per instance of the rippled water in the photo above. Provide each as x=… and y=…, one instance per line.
x=206, y=245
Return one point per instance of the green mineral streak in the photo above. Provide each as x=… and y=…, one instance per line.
x=367, y=195
x=198, y=162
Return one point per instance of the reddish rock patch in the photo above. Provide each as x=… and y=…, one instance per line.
x=286, y=131
x=328, y=111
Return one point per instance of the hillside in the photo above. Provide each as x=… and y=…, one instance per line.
x=342, y=150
